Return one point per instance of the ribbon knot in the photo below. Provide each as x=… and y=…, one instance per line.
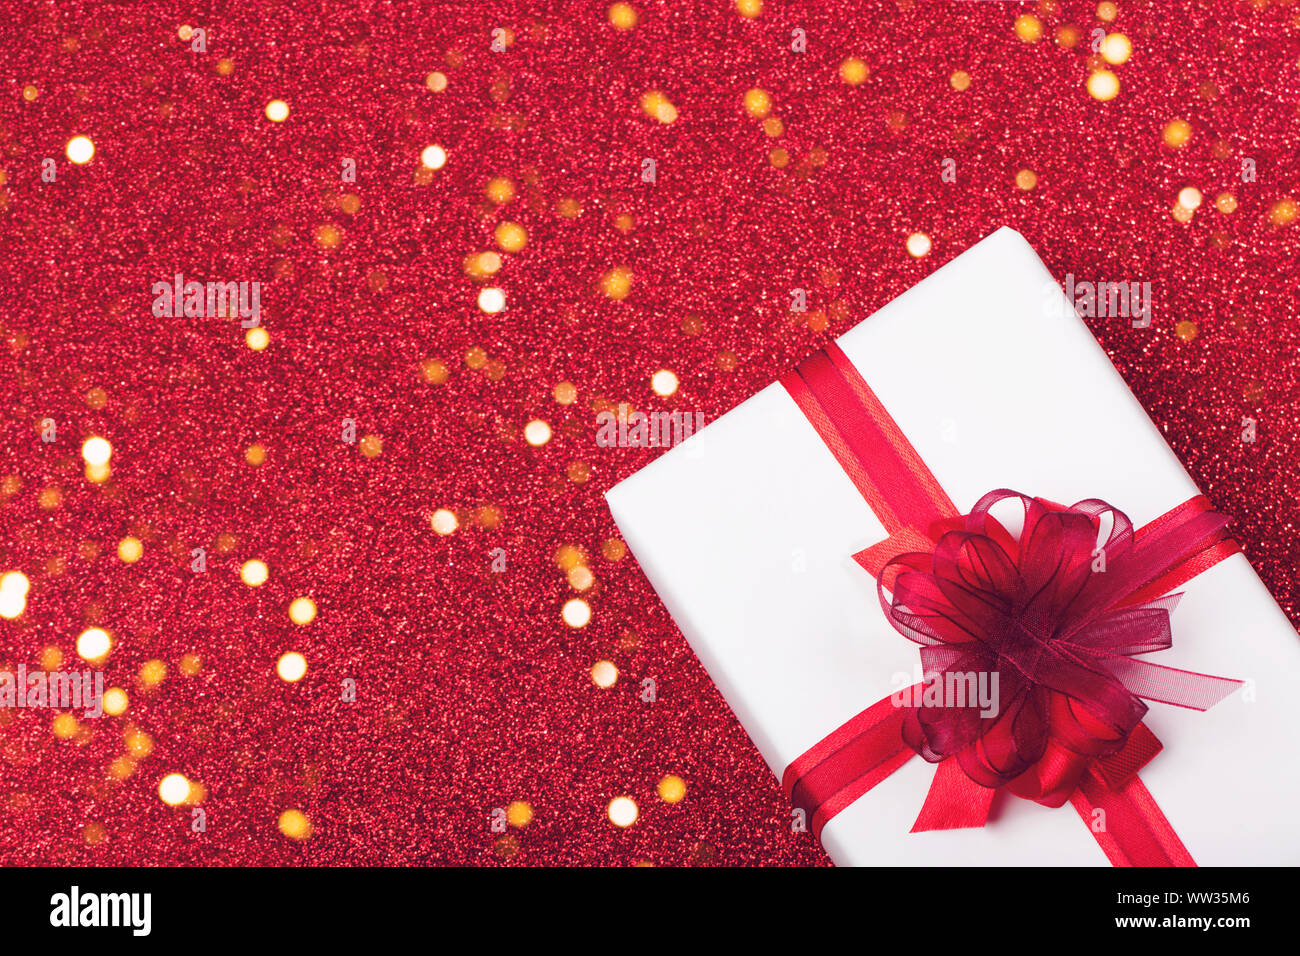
x=1052, y=623
x=1046, y=619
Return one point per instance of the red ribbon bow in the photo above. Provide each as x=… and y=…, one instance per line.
x=1055, y=621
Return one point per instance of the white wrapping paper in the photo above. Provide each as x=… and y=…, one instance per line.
x=747, y=532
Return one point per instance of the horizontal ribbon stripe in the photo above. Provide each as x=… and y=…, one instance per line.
x=848, y=763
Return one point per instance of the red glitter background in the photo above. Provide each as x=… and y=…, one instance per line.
x=472, y=692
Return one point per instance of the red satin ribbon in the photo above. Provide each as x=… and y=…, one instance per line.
x=915, y=510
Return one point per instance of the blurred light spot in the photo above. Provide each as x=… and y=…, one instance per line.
x=64, y=726
x=664, y=382
x=492, y=300
x=672, y=789
x=81, y=150
x=622, y=811
x=918, y=245
x=433, y=157
x=302, y=610
x=254, y=573
x=115, y=701
x=537, y=433
x=443, y=521
x=854, y=71
x=616, y=283
x=500, y=190
x=295, y=825
x=511, y=236
x=1028, y=28
x=291, y=666
x=656, y=105
x=16, y=582
x=129, y=550
x=1116, y=49
x=1177, y=133
x=519, y=814
x=758, y=103
x=152, y=672
x=622, y=16
x=604, y=674
x=96, y=451
x=1103, y=85
x=174, y=789
x=138, y=742
x=93, y=644
x=576, y=613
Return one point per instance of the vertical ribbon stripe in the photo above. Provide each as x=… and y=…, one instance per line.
x=867, y=443
x=1127, y=824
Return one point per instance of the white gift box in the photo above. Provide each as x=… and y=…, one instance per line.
x=747, y=532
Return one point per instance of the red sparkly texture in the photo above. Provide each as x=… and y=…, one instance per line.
x=472, y=693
